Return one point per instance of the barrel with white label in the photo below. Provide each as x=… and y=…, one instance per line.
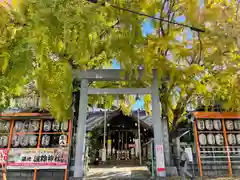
x=211, y=139
x=229, y=125
x=237, y=124
x=209, y=124
x=217, y=124
x=231, y=139
x=219, y=139
x=200, y=125
x=238, y=138
x=202, y=139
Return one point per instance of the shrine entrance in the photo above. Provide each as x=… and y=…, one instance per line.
x=122, y=142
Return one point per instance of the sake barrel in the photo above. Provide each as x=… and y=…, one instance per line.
x=231, y=139
x=19, y=126
x=237, y=124
x=33, y=140
x=47, y=125
x=45, y=140
x=217, y=124
x=229, y=125
x=211, y=139
x=238, y=138
x=34, y=125
x=219, y=139
x=209, y=124
x=202, y=139
x=63, y=140
x=55, y=126
x=200, y=125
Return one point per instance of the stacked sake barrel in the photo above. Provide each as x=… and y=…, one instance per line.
x=213, y=146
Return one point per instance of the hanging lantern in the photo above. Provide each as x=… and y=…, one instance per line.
x=217, y=124
x=209, y=124
x=237, y=124
x=211, y=139
x=55, y=126
x=24, y=141
x=63, y=140
x=34, y=125
x=202, y=139
x=33, y=140
x=64, y=126
x=231, y=139
x=18, y=126
x=238, y=138
x=219, y=139
x=16, y=141
x=229, y=125
x=200, y=125
x=45, y=140
x=47, y=125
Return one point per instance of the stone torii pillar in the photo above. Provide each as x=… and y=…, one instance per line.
x=81, y=131
x=157, y=126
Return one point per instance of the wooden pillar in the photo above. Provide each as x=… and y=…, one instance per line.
x=227, y=148
x=198, y=149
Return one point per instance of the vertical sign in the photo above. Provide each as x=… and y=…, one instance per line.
x=160, y=158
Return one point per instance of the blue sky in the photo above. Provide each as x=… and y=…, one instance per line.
x=148, y=29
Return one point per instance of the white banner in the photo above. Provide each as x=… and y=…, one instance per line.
x=160, y=158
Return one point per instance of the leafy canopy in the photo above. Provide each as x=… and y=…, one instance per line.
x=42, y=40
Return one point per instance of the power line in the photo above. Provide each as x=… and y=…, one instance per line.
x=149, y=16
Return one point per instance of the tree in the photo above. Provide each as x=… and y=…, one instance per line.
x=49, y=38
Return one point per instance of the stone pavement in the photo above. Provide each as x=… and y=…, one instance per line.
x=111, y=173
x=138, y=173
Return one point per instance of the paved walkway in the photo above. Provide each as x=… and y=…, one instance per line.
x=110, y=173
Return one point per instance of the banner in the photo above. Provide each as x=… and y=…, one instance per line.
x=39, y=158
x=160, y=158
x=3, y=156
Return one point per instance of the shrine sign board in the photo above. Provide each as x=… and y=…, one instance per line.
x=160, y=158
x=37, y=158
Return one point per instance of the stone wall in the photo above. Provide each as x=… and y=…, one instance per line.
x=41, y=174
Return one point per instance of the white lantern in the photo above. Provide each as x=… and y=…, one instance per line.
x=217, y=124
x=64, y=126
x=238, y=138
x=45, y=140
x=34, y=125
x=209, y=124
x=200, y=125
x=18, y=126
x=229, y=125
x=16, y=141
x=219, y=139
x=47, y=125
x=33, y=140
x=24, y=141
x=237, y=124
x=202, y=139
x=231, y=139
x=55, y=126
x=63, y=140
x=211, y=139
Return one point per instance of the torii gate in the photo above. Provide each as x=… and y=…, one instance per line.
x=116, y=75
